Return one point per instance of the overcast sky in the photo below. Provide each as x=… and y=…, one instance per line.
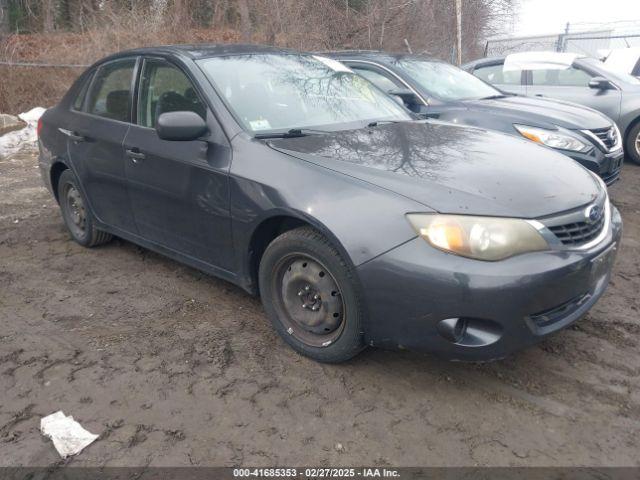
x=551, y=16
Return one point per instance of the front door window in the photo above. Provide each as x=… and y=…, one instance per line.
x=165, y=88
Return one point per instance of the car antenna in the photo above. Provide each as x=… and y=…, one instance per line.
x=406, y=42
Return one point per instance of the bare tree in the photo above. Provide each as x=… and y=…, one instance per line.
x=49, y=15
x=245, y=20
x=4, y=17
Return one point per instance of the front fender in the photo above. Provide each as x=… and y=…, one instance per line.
x=361, y=219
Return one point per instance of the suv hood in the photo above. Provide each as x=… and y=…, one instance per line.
x=542, y=113
x=452, y=169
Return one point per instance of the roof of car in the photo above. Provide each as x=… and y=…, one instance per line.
x=499, y=60
x=377, y=55
x=483, y=61
x=205, y=50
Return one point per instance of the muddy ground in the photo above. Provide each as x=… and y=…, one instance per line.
x=173, y=367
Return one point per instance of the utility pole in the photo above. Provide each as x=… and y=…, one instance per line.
x=459, y=32
x=562, y=38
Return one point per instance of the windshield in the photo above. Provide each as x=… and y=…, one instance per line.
x=275, y=92
x=446, y=82
x=616, y=76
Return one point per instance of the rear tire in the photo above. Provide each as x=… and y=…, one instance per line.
x=76, y=214
x=632, y=145
x=312, y=297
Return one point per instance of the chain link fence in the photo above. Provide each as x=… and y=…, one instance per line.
x=585, y=43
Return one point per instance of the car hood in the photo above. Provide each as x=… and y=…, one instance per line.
x=541, y=112
x=452, y=169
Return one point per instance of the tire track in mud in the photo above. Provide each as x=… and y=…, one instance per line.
x=166, y=362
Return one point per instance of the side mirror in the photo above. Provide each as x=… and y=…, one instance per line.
x=406, y=95
x=600, y=83
x=423, y=111
x=180, y=126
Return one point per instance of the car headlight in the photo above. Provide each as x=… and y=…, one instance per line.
x=552, y=138
x=482, y=238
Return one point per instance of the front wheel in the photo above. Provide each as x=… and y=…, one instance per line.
x=311, y=296
x=632, y=147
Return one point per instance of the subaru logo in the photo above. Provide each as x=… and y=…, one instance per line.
x=592, y=213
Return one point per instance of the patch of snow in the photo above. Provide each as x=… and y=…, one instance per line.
x=25, y=138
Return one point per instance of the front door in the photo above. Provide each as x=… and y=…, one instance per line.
x=96, y=131
x=572, y=85
x=179, y=189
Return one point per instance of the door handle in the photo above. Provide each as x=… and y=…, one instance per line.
x=72, y=135
x=135, y=155
x=539, y=95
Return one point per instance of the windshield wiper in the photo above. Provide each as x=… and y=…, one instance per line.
x=375, y=123
x=291, y=133
x=492, y=97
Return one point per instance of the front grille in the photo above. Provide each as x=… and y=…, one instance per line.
x=578, y=233
x=607, y=136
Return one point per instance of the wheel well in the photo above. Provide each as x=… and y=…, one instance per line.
x=56, y=171
x=632, y=124
x=266, y=232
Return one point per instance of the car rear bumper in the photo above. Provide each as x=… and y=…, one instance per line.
x=423, y=299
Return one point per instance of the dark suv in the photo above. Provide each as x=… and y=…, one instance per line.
x=436, y=89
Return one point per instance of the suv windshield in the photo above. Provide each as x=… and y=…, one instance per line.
x=273, y=92
x=446, y=82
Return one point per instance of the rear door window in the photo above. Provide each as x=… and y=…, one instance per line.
x=570, y=77
x=111, y=90
x=493, y=74
x=78, y=103
x=165, y=88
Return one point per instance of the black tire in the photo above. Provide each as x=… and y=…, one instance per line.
x=331, y=310
x=75, y=213
x=632, y=144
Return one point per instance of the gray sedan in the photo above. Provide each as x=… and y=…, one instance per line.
x=436, y=89
x=587, y=82
x=295, y=179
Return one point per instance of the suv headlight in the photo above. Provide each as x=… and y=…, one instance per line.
x=482, y=238
x=552, y=138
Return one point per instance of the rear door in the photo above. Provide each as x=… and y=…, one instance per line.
x=572, y=85
x=179, y=189
x=511, y=81
x=96, y=131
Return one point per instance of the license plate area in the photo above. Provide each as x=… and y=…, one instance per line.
x=616, y=163
x=601, y=264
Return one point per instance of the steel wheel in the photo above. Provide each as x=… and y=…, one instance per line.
x=637, y=144
x=76, y=211
x=310, y=300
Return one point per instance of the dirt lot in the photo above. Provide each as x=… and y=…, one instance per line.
x=173, y=367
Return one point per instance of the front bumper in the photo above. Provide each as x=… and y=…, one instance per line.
x=423, y=299
x=606, y=165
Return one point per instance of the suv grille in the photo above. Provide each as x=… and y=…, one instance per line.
x=607, y=136
x=579, y=233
